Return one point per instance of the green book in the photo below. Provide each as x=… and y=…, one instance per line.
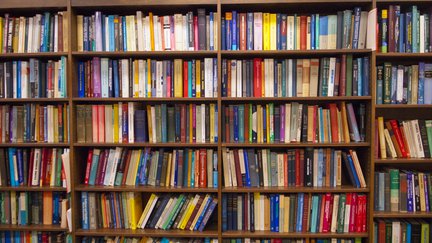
x=58, y=181
x=341, y=213
x=387, y=83
x=429, y=133
x=170, y=219
x=394, y=190
x=388, y=232
x=349, y=75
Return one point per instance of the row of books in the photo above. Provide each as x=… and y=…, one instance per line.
x=32, y=167
x=128, y=123
x=33, y=79
x=33, y=208
x=403, y=191
x=402, y=230
x=328, y=76
x=176, y=168
x=399, y=84
x=280, y=31
x=47, y=32
x=403, y=139
x=288, y=240
x=34, y=236
x=293, y=168
x=123, y=239
x=125, y=210
x=404, y=29
x=104, y=77
x=34, y=123
x=178, y=32
x=293, y=122
x=302, y=212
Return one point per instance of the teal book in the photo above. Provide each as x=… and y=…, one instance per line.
x=94, y=166
x=314, y=217
x=241, y=123
x=415, y=29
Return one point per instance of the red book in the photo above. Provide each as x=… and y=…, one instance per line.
x=60, y=123
x=342, y=82
x=348, y=203
x=49, y=79
x=195, y=24
x=327, y=213
x=183, y=123
x=334, y=123
x=297, y=167
x=89, y=163
x=41, y=121
x=125, y=137
x=47, y=166
x=303, y=32
x=128, y=158
x=404, y=139
x=169, y=79
x=305, y=213
x=353, y=212
x=185, y=79
x=242, y=19
x=202, y=168
x=361, y=222
x=101, y=164
x=237, y=168
x=381, y=230
x=399, y=138
x=257, y=83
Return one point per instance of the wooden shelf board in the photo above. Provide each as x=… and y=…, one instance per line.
x=34, y=100
x=403, y=54
x=403, y=106
x=163, y=54
x=269, y=234
x=152, y=99
x=232, y=2
x=33, y=188
x=108, y=3
x=282, y=53
x=143, y=189
x=403, y=161
x=402, y=215
x=269, y=99
x=179, y=145
x=34, y=55
x=4, y=227
x=293, y=189
x=19, y=4
x=29, y=145
x=283, y=145
x=147, y=232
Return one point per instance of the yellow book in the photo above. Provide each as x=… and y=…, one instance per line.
x=136, y=79
x=149, y=124
x=103, y=208
x=382, y=144
x=15, y=34
x=212, y=122
x=65, y=123
x=168, y=173
x=189, y=167
x=266, y=215
x=345, y=123
x=422, y=194
x=178, y=78
x=137, y=162
x=55, y=122
x=190, y=123
x=266, y=31
x=267, y=123
x=273, y=31
x=149, y=82
x=281, y=211
x=135, y=207
x=198, y=78
x=258, y=219
x=152, y=43
x=80, y=32
x=116, y=123
x=65, y=30
x=286, y=214
x=297, y=32
x=188, y=213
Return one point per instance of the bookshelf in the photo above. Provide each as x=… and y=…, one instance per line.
x=78, y=151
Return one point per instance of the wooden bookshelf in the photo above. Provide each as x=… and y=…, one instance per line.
x=343, y=189
x=268, y=234
x=50, y=228
x=32, y=188
x=148, y=233
x=402, y=215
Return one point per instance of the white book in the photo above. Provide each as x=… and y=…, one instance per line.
x=258, y=25
x=290, y=33
x=410, y=141
x=157, y=33
x=173, y=166
x=167, y=32
x=232, y=168
x=399, y=84
x=147, y=36
x=36, y=33
x=140, y=30
x=116, y=161
x=24, y=80
x=56, y=36
x=334, y=217
x=185, y=41
x=125, y=78
x=371, y=30
x=131, y=112
x=262, y=210
x=239, y=79
x=153, y=116
x=280, y=166
x=131, y=36
x=198, y=123
x=141, y=78
x=422, y=34
x=36, y=167
x=109, y=167
x=417, y=138
x=265, y=167
x=208, y=77
x=271, y=77
x=331, y=77
x=50, y=131
x=347, y=218
x=289, y=77
x=233, y=78
x=98, y=30
x=107, y=34
x=109, y=136
x=104, y=77
x=287, y=123
x=30, y=36
x=396, y=232
x=21, y=35
x=178, y=32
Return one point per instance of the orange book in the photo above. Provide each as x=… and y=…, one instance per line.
x=95, y=123
x=47, y=199
x=242, y=19
x=303, y=32
x=101, y=123
x=334, y=123
x=328, y=157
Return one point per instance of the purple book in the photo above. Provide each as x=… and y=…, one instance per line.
x=410, y=192
x=426, y=191
x=98, y=30
x=97, y=90
x=282, y=123
x=428, y=84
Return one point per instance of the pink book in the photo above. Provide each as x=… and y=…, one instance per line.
x=172, y=32
x=89, y=163
x=353, y=213
x=327, y=213
x=97, y=90
x=95, y=123
x=282, y=124
x=195, y=25
x=101, y=123
x=169, y=73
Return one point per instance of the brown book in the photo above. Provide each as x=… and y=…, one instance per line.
x=403, y=192
x=328, y=158
x=195, y=211
x=342, y=81
x=305, y=213
x=164, y=169
x=47, y=208
x=237, y=168
x=88, y=121
x=242, y=19
x=60, y=32
x=80, y=121
x=321, y=216
x=126, y=168
x=306, y=77
x=266, y=215
x=337, y=77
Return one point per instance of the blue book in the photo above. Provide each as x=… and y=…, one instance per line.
x=351, y=165
x=123, y=19
x=20, y=167
x=321, y=169
x=408, y=232
x=250, y=32
x=236, y=123
x=401, y=41
x=18, y=78
x=164, y=123
x=208, y=214
x=116, y=79
x=185, y=168
x=113, y=209
x=240, y=121
x=312, y=31
x=427, y=87
x=211, y=25
x=192, y=77
x=94, y=166
x=12, y=168
x=56, y=207
x=408, y=34
x=223, y=33
x=421, y=83
x=193, y=174
x=111, y=30
x=143, y=172
x=84, y=213
x=140, y=164
x=356, y=30
x=365, y=76
x=359, y=77
x=200, y=218
x=323, y=22
x=264, y=111
x=276, y=212
x=225, y=212
x=300, y=202
x=47, y=33
x=246, y=161
x=317, y=31
x=104, y=47
x=228, y=27
x=410, y=193
x=278, y=32
x=234, y=31
x=272, y=213
x=314, y=216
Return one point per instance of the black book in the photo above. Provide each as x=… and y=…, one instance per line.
x=308, y=169
x=304, y=124
x=157, y=211
x=201, y=29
